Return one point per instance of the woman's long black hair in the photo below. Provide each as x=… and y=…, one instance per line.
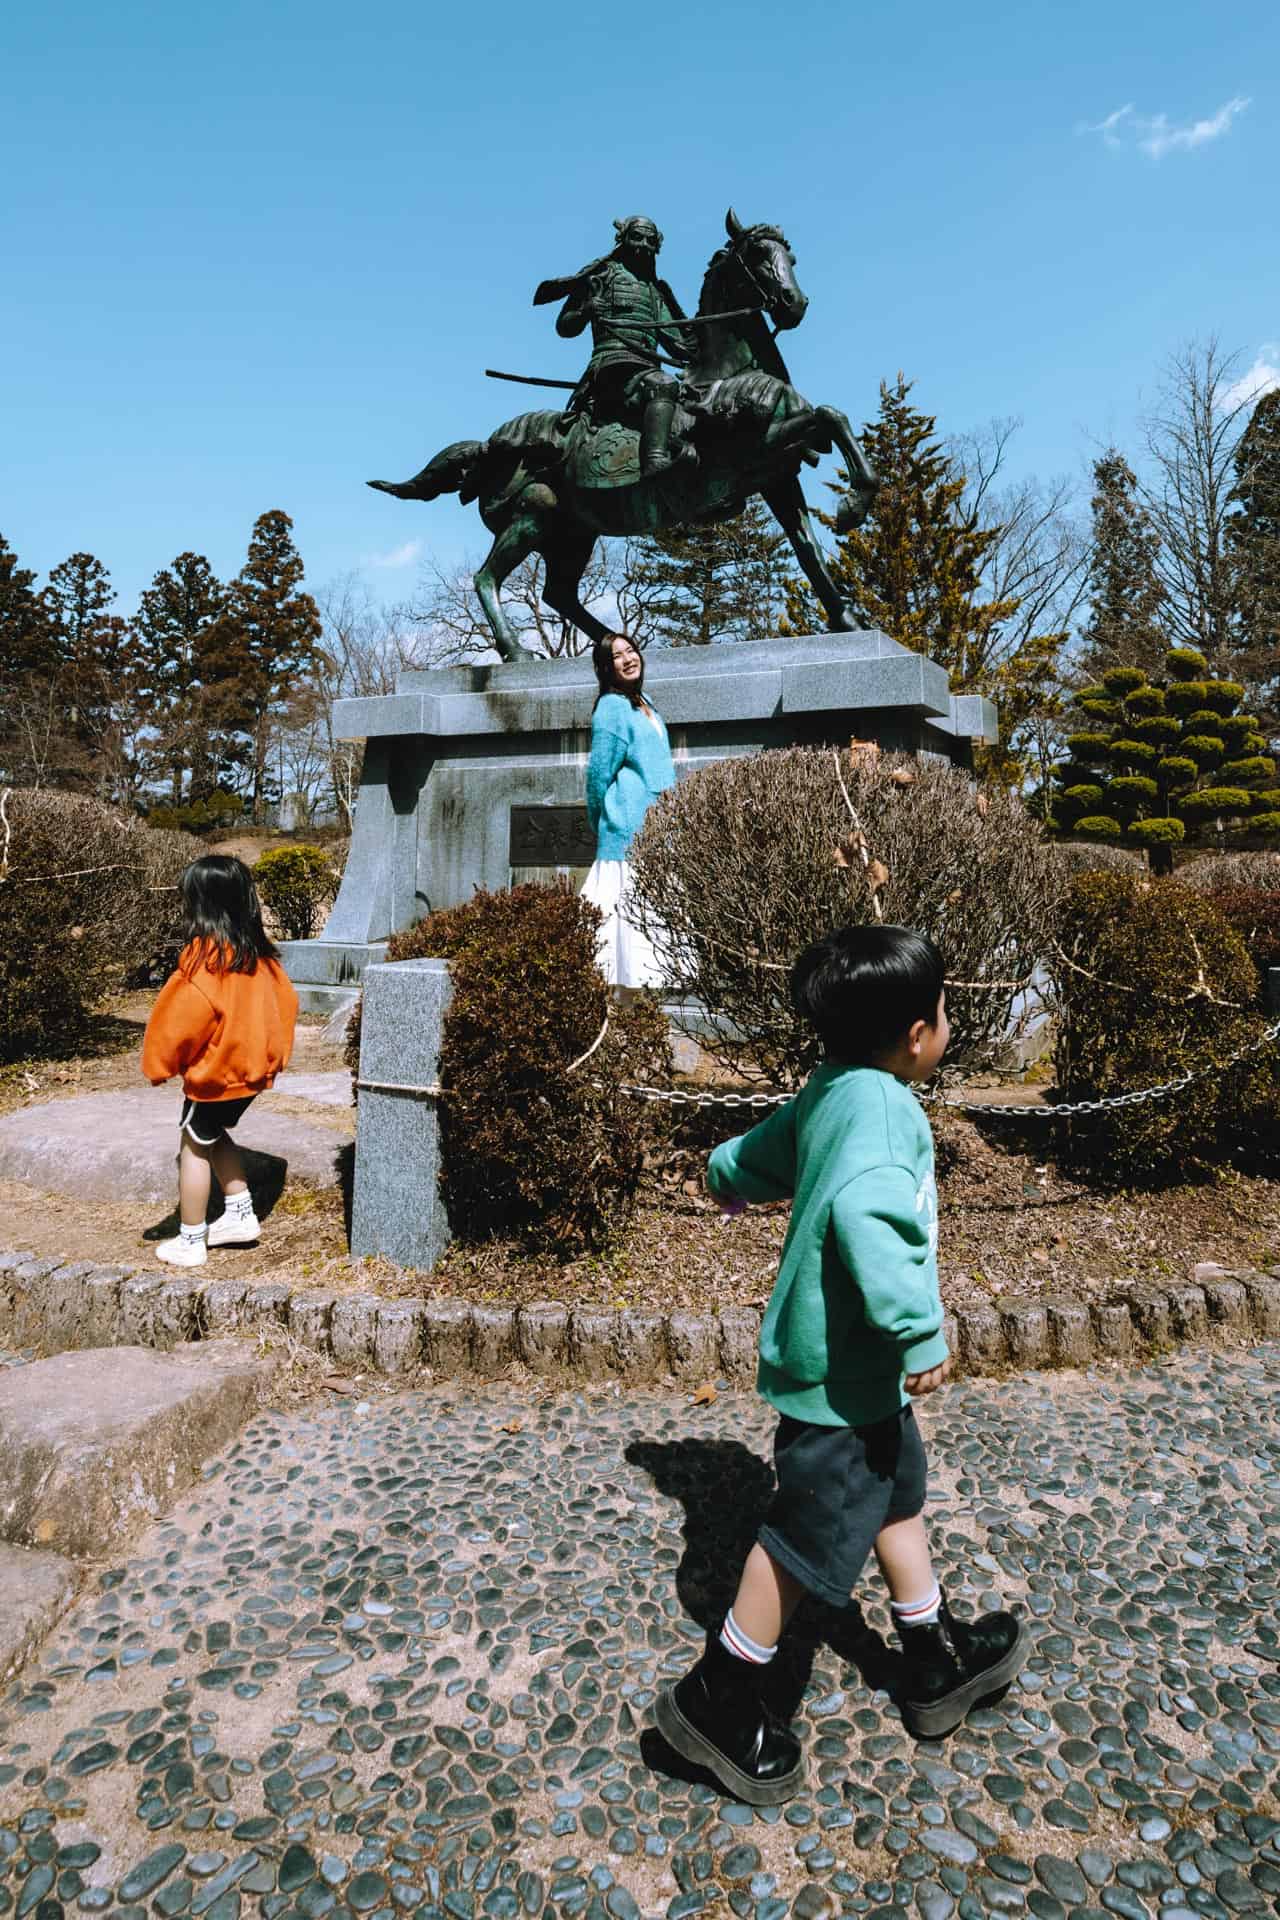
x=602, y=661
x=222, y=917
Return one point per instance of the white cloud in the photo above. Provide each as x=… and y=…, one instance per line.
x=397, y=557
x=1156, y=135
x=1262, y=377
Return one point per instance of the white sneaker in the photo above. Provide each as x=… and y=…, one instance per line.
x=234, y=1230
x=182, y=1253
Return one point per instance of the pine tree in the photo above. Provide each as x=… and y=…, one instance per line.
x=93, y=671
x=699, y=584
x=176, y=650
x=915, y=566
x=26, y=641
x=1158, y=766
x=1125, y=594
x=1253, y=536
x=31, y=728
x=271, y=634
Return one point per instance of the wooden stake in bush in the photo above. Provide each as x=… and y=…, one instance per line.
x=874, y=871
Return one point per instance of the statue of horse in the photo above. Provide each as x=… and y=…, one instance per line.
x=553, y=483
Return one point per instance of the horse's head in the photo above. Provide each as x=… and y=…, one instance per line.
x=758, y=268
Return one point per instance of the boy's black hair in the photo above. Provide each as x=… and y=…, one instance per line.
x=222, y=916
x=863, y=988
x=606, y=673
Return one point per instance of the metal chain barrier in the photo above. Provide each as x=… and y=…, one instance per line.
x=759, y=1102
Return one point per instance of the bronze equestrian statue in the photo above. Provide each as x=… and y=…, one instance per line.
x=635, y=322
x=634, y=453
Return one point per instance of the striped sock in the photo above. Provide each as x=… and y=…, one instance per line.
x=240, y=1204
x=193, y=1234
x=917, y=1613
x=742, y=1646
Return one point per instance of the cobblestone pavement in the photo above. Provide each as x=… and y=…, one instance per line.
x=402, y=1655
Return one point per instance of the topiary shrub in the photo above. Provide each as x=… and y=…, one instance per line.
x=1254, y=912
x=1091, y=857
x=1225, y=872
x=1180, y=752
x=530, y=1149
x=1158, y=833
x=213, y=813
x=1128, y=1017
x=297, y=884
x=747, y=861
x=86, y=895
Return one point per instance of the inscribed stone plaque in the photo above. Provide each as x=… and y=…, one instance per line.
x=551, y=837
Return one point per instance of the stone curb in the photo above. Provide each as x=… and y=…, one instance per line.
x=59, y=1305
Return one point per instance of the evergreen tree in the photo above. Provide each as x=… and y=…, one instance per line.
x=271, y=635
x=1125, y=594
x=26, y=641
x=175, y=661
x=93, y=672
x=77, y=597
x=915, y=566
x=31, y=730
x=1159, y=766
x=1253, y=535
x=699, y=584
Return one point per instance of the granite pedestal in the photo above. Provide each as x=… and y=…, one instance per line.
x=397, y=1208
x=473, y=776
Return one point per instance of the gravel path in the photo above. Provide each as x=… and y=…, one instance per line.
x=402, y=1656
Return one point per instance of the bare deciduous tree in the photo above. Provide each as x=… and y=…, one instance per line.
x=449, y=621
x=1037, y=560
x=364, y=646
x=1191, y=435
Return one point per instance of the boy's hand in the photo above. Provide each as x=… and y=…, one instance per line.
x=730, y=1206
x=918, y=1384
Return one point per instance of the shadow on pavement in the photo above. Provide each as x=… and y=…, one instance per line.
x=724, y=1489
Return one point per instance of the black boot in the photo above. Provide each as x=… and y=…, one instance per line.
x=953, y=1664
x=716, y=1718
x=655, y=437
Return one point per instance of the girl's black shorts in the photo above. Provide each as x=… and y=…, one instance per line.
x=205, y=1121
x=837, y=1486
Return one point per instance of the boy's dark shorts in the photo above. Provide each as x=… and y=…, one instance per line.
x=206, y=1121
x=837, y=1486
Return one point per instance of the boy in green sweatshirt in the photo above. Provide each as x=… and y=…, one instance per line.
x=852, y=1334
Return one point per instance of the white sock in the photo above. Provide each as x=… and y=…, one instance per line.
x=917, y=1613
x=241, y=1204
x=193, y=1234
x=742, y=1646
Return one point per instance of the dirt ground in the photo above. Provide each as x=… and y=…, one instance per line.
x=1011, y=1223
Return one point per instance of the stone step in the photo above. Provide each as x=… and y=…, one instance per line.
x=122, y=1146
x=94, y=1445
x=35, y=1588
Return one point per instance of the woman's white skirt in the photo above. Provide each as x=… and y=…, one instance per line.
x=626, y=956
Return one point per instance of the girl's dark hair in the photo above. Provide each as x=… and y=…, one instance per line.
x=863, y=988
x=222, y=916
x=602, y=661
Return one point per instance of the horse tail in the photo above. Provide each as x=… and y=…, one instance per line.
x=455, y=469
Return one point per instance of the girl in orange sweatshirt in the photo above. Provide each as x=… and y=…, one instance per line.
x=224, y=1021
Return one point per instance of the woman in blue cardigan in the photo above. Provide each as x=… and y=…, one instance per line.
x=630, y=765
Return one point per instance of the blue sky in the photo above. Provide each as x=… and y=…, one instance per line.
x=258, y=253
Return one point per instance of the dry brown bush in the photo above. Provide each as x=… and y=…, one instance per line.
x=86, y=894
x=1232, y=872
x=746, y=862
x=1091, y=856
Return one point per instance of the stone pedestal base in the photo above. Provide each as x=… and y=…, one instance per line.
x=328, y=973
x=473, y=776
x=397, y=1209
